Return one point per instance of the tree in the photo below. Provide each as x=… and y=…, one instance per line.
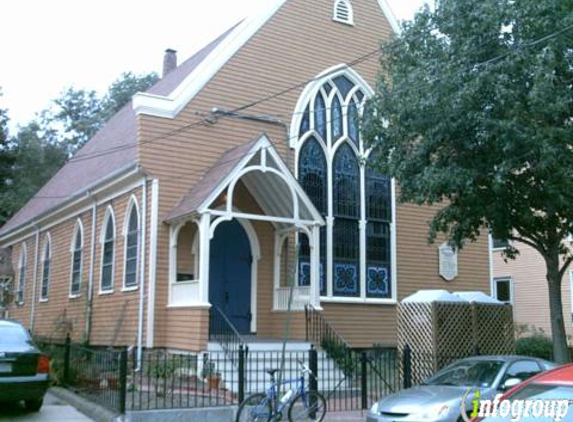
x=474, y=111
x=78, y=114
x=6, y=159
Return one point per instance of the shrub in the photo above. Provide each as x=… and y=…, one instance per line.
x=538, y=345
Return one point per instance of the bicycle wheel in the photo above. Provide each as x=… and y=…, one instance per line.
x=255, y=408
x=309, y=407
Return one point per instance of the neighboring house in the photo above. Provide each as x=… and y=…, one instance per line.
x=175, y=209
x=6, y=277
x=522, y=283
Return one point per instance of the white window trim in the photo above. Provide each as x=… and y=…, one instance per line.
x=511, y=289
x=307, y=98
x=109, y=215
x=350, y=20
x=78, y=229
x=509, y=242
x=22, y=264
x=132, y=203
x=46, y=247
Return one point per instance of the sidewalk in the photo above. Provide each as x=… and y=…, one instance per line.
x=356, y=416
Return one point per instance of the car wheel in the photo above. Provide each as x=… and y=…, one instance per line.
x=33, y=405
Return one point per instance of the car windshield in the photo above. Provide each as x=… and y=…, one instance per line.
x=13, y=336
x=555, y=398
x=468, y=373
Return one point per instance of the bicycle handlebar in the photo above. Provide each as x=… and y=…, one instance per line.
x=306, y=369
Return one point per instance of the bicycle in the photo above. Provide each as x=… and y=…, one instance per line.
x=300, y=403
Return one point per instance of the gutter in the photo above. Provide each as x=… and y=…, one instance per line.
x=129, y=170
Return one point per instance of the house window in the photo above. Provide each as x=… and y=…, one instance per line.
x=108, y=242
x=499, y=243
x=131, y=248
x=46, y=261
x=22, y=275
x=358, y=206
x=343, y=12
x=503, y=290
x=77, y=260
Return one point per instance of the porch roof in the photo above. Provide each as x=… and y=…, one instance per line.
x=258, y=165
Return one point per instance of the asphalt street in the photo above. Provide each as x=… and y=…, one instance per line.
x=53, y=410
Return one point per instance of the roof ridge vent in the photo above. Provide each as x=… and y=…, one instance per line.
x=343, y=12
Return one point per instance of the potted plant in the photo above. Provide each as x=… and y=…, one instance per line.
x=211, y=375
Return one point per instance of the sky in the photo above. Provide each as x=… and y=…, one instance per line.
x=47, y=46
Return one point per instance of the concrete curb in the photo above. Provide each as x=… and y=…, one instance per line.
x=88, y=408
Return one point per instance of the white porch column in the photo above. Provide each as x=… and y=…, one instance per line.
x=204, y=253
x=315, y=267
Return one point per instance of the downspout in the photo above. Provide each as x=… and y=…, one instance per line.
x=142, y=240
x=32, y=313
x=89, y=299
x=152, y=261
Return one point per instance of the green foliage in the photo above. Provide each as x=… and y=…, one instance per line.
x=473, y=111
x=40, y=148
x=538, y=345
x=341, y=355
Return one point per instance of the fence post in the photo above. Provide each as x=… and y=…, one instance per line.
x=313, y=366
x=122, y=380
x=241, y=373
x=67, y=346
x=364, y=379
x=407, y=366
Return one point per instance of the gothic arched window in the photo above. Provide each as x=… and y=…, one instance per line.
x=354, y=199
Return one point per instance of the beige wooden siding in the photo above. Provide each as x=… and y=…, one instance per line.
x=531, y=294
x=298, y=43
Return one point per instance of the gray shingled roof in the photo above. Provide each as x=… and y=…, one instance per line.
x=112, y=149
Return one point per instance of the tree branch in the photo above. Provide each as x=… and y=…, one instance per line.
x=566, y=265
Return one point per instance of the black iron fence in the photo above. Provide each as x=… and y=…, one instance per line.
x=115, y=379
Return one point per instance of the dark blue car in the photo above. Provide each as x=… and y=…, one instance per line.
x=24, y=370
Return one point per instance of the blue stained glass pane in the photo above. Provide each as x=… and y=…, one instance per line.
x=336, y=120
x=378, y=281
x=378, y=196
x=353, y=122
x=304, y=272
x=327, y=88
x=360, y=96
x=345, y=279
x=320, y=116
x=312, y=173
x=305, y=123
x=346, y=183
x=344, y=85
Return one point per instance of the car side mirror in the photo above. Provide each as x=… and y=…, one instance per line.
x=510, y=383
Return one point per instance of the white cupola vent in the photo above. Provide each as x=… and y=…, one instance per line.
x=343, y=12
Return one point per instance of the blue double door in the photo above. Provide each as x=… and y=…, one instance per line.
x=230, y=274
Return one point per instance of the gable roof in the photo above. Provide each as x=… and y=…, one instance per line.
x=111, y=150
x=259, y=166
x=170, y=105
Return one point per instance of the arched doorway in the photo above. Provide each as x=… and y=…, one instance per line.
x=230, y=274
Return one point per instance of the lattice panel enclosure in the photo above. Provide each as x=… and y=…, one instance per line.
x=439, y=333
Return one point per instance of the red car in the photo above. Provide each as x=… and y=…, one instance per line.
x=545, y=397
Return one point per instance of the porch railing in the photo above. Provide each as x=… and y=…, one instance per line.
x=301, y=298
x=224, y=332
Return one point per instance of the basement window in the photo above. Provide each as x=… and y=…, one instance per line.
x=343, y=12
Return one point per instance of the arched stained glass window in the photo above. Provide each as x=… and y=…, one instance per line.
x=108, y=250
x=346, y=183
x=312, y=173
x=77, y=248
x=131, y=248
x=46, y=261
x=336, y=119
x=320, y=116
x=312, y=170
x=359, y=208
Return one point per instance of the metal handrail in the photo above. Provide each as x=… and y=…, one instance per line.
x=318, y=329
x=223, y=330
